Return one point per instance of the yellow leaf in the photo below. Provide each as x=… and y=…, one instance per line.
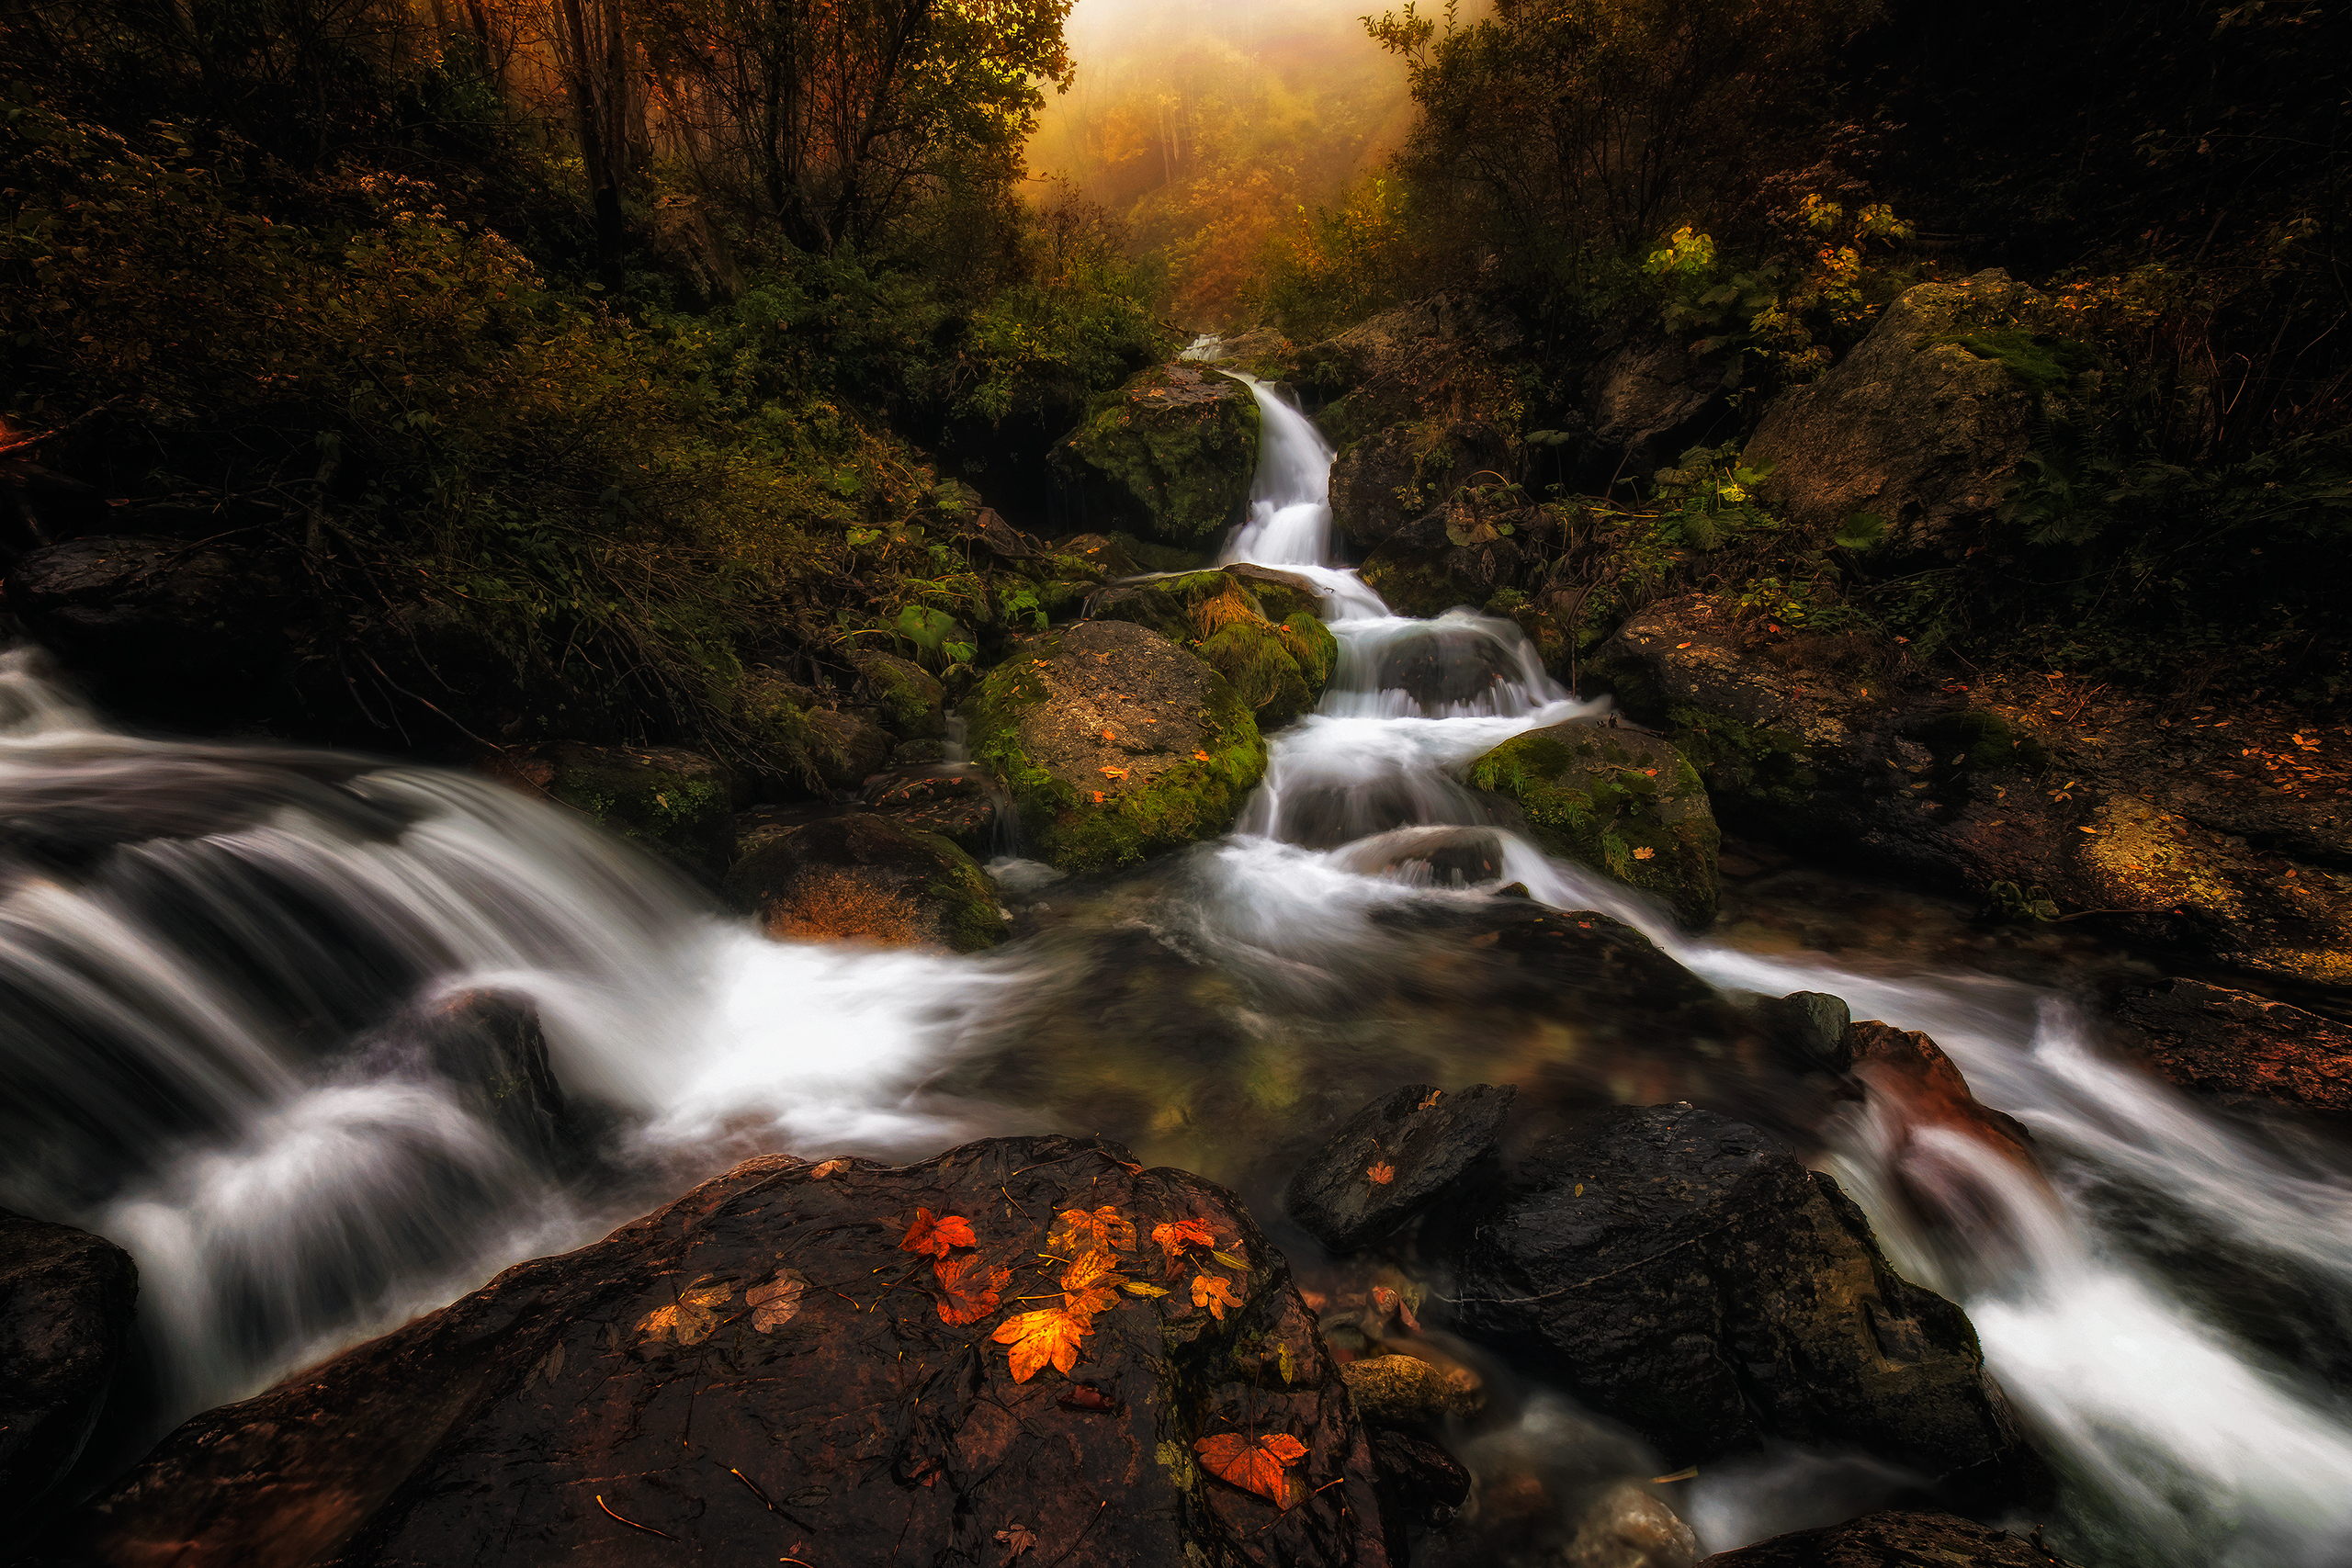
x=1212, y=1291
x=1041, y=1338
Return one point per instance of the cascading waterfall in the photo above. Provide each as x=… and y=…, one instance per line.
x=222, y=969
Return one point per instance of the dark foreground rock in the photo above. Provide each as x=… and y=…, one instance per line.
x=866, y=877
x=66, y=1302
x=2238, y=1045
x=1114, y=744
x=1891, y=1541
x=764, y=1371
x=1388, y=1161
x=1681, y=1273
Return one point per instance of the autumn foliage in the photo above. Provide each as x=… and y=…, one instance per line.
x=1259, y=1464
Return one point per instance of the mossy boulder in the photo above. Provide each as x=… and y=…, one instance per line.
x=1621, y=801
x=907, y=698
x=1414, y=582
x=1263, y=636
x=1114, y=744
x=863, y=877
x=1169, y=454
x=681, y=805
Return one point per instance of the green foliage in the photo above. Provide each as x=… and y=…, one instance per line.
x=1340, y=264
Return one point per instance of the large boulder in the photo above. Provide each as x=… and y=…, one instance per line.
x=2239, y=1046
x=1894, y=1539
x=1618, y=800
x=907, y=699
x=1683, y=1274
x=1390, y=1160
x=1383, y=483
x=679, y=804
x=1115, y=743
x=1023, y=1349
x=1170, y=455
x=861, y=876
x=1926, y=424
x=1262, y=634
x=66, y=1302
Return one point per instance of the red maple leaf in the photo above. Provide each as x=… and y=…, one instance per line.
x=934, y=1236
x=968, y=1289
x=1255, y=1464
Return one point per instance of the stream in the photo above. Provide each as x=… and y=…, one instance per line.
x=223, y=968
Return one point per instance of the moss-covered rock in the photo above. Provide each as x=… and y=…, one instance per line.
x=1621, y=801
x=1114, y=744
x=1278, y=656
x=681, y=805
x=1414, y=583
x=908, y=699
x=863, y=877
x=1169, y=454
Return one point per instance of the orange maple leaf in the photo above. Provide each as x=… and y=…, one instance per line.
x=934, y=1236
x=1254, y=1464
x=1040, y=1338
x=1382, y=1174
x=1098, y=798
x=968, y=1289
x=1200, y=756
x=1212, y=1291
x=1082, y=1232
x=1114, y=773
x=1177, y=1235
x=1091, y=1285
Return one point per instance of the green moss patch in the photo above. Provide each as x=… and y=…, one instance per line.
x=1168, y=456
x=678, y=804
x=1621, y=801
x=1278, y=666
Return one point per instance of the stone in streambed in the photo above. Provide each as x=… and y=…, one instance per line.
x=1621, y=801
x=860, y=876
x=1417, y=1479
x=1169, y=454
x=1892, y=1539
x=66, y=1302
x=907, y=698
x=2238, y=1045
x=1405, y=1391
x=679, y=804
x=1262, y=636
x=1114, y=744
x=1390, y=1160
x=1683, y=1274
x=760, y=1371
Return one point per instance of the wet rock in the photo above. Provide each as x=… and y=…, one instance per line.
x=1417, y=1479
x=850, y=746
x=1167, y=454
x=860, y=876
x=679, y=804
x=1415, y=581
x=1281, y=594
x=907, y=699
x=956, y=800
x=1383, y=483
x=761, y=1371
x=1892, y=1539
x=1277, y=662
x=1385, y=371
x=2238, y=1045
x=492, y=1045
x=1618, y=800
x=1114, y=744
x=1626, y=1527
x=1814, y=1026
x=1406, y=1390
x=66, y=1303
x=1096, y=555
x=157, y=626
x=1927, y=422
x=1679, y=1272
x=1390, y=1160
x=1904, y=1066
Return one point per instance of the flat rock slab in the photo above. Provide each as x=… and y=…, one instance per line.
x=1388, y=1161
x=66, y=1302
x=1891, y=1541
x=1682, y=1273
x=765, y=1369
x=2233, y=1044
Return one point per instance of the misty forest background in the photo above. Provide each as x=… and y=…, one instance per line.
x=613, y=368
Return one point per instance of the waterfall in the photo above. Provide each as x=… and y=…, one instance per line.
x=227, y=971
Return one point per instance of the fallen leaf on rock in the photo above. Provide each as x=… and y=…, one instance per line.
x=1643, y=852
x=1381, y=1174
x=776, y=1302
x=934, y=1236
x=1079, y=1396
x=830, y=1167
x=1080, y=1231
x=1114, y=773
x=690, y=1319
x=1017, y=1539
x=968, y=1289
x=1254, y=1464
x=1042, y=1338
x=1200, y=756
x=1430, y=1099
x=1212, y=1291
x=1091, y=1284
x=1231, y=1259
x=1138, y=1288
x=1178, y=1234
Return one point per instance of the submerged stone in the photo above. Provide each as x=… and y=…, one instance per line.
x=1114, y=744
x=1621, y=801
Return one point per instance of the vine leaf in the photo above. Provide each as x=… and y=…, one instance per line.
x=968, y=1289
x=1255, y=1464
x=934, y=1236
x=1042, y=1338
x=776, y=1302
x=1212, y=1291
x=1102, y=1230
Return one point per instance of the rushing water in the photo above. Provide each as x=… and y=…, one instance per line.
x=229, y=973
